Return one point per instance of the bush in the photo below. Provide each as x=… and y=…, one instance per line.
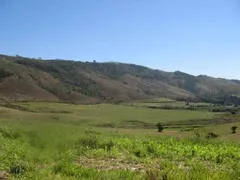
x=234, y=128
x=160, y=127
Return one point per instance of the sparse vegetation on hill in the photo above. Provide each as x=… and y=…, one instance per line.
x=4, y=74
x=88, y=82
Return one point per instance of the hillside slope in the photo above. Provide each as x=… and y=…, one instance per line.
x=25, y=79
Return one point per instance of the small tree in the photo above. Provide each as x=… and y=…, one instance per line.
x=160, y=127
x=234, y=128
x=233, y=111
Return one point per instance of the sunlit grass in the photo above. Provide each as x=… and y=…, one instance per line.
x=61, y=141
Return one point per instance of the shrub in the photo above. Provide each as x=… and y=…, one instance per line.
x=234, y=128
x=160, y=127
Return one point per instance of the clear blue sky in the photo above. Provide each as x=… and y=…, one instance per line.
x=194, y=36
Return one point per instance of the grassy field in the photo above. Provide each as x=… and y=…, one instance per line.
x=170, y=103
x=105, y=115
x=157, y=100
x=103, y=141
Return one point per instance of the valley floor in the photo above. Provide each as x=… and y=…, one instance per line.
x=104, y=141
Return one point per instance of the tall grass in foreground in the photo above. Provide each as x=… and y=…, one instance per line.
x=62, y=152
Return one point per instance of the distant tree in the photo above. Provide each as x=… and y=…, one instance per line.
x=160, y=127
x=18, y=56
x=232, y=111
x=234, y=128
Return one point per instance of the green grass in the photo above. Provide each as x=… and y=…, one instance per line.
x=62, y=141
x=64, y=153
x=106, y=113
x=173, y=104
x=157, y=100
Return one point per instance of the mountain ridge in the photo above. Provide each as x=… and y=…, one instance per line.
x=28, y=79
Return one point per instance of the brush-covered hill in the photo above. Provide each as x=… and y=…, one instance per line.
x=26, y=79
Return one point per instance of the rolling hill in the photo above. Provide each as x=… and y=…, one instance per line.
x=26, y=79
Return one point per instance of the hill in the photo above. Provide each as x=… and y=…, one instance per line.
x=26, y=79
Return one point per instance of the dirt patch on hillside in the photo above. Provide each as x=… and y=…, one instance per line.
x=3, y=175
